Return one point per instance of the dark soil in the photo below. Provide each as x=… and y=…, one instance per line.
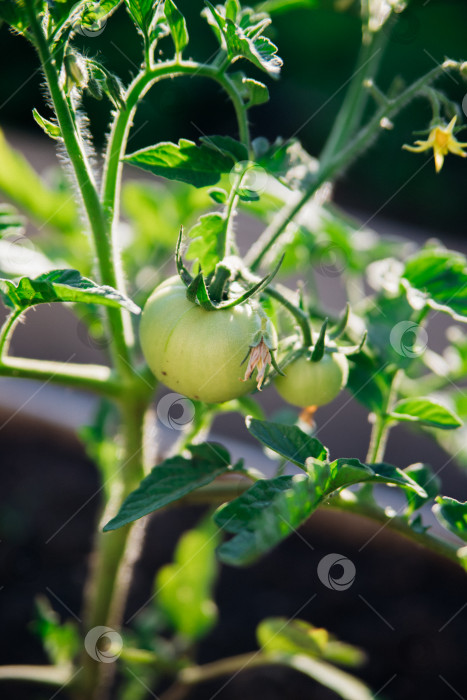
x=405, y=607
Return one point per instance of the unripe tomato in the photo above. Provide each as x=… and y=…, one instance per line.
x=195, y=352
x=308, y=383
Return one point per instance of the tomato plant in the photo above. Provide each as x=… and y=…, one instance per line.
x=223, y=326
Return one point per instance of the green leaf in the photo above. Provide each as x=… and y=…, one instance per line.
x=22, y=186
x=253, y=92
x=218, y=195
x=452, y=514
x=258, y=93
x=96, y=12
x=142, y=12
x=184, y=589
x=320, y=345
x=10, y=219
x=425, y=412
x=263, y=516
x=196, y=165
x=61, y=286
x=430, y=483
x=439, y=276
x=345, y=472
x=389, y=474
x=392, y=332
x=368, y=381
x=171, y=480
x=288, y=441
x=278, y=6
x=60, y=641
x=279, y=634
x=14, y=14
x=51, y=129
x=177, y=24
x=258, y=50
x=309, y=454
x=245, y=39
x=227, y=146
x=342, y=683
x=207, y=237
x=287, y=161
x=291, y=636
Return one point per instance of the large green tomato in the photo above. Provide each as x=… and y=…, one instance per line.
x=195, y=352
x=308, y=383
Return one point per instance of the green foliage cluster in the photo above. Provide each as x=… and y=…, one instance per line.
x=394, y=373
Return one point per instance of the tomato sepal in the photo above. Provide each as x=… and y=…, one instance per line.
x=320, y=345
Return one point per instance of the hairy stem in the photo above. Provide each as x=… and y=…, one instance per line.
x=96, y=378
x=218, y=493
x=124, y=119
x=351, y=112
x=395, y=523
x=107, y=588
x=7, y=331
x=48, y=675
x=299, y=315
x=382, y=425
x=121, y=342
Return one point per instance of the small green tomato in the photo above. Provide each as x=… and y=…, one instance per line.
x=195, y=352
x=308, y=383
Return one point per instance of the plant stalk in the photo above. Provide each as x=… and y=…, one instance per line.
x=96, y=378
x=382, y=425
x=7, y=331
x=107, y=587
x=336, y=164
x=124, y=119
x=121, y=340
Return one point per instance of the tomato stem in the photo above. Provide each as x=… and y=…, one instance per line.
x=298, y=313
x=337, y=162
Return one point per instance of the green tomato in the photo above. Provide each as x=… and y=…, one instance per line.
x=195, y=352
x=308, y=383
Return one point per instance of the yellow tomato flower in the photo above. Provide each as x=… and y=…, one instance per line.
x=442, y=141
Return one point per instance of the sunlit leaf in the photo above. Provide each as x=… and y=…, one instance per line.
x=452, y=514
x=177, y=25
x=61, y=286
x=263, y=516
x=171, y=480
x=427, y=412
x=197, y=165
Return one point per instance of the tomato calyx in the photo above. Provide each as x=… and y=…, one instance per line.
x=324, y=345
x=220, y=289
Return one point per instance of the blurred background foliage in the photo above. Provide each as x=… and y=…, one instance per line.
x=319, y=46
